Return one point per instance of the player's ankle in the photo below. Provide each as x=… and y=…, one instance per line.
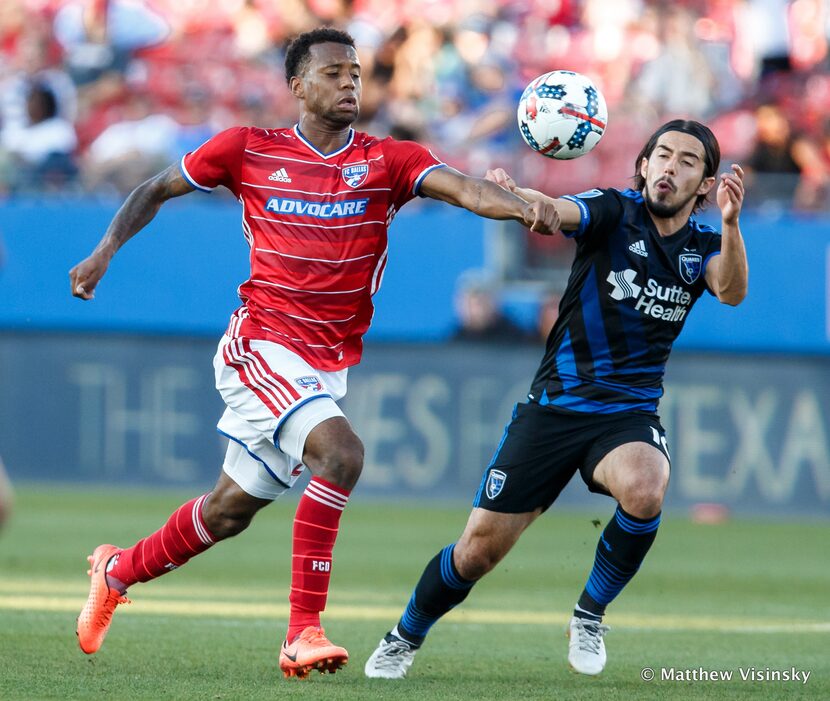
x=116, y=584
x=588, y=614
x=414, y=640
x=112, y=581
x=298, y=625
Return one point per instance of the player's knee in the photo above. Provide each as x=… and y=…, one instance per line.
x=340, y=463
x=225, y=519
x=476, y=557
x=642, y=495
x=5, y=509
x=223, y=525
x=6, y=496
x=227, y=526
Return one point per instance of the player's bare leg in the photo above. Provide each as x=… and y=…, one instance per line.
x=445, y=583
x=334, y=455
x=190, y=530
x=637, y=475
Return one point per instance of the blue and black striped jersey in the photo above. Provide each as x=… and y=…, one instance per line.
x=628, y=296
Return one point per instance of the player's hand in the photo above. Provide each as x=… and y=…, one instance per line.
x=85, y=276
x=542, y=217
x=501, y=178
x=731, y=194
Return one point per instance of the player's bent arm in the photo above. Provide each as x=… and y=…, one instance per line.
x=489, y=200
x=138, y=210
x=727, y=274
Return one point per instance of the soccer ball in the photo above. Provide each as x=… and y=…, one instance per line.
x=562, y=115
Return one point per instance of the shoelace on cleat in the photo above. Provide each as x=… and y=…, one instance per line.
x=105, y=613
x=590, y=635
x=392, y=653
x=317, y=638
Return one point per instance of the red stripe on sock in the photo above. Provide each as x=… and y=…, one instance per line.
x=167, y=555
x=156, y=558
x=140, y=562
x=315, y=532
x=173, y=544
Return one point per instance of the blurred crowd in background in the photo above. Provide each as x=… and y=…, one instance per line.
x=97, y=95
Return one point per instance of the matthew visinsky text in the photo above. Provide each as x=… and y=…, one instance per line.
x=745, y=674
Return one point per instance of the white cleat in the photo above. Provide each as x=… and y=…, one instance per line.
x=586, y=650
x=391, y=659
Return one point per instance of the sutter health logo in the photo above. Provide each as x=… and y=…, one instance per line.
x=648, y=298
x=624, y=285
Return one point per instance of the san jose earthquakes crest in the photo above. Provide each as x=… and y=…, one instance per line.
x=690, y=266
x=495, y=483
x=354, y=175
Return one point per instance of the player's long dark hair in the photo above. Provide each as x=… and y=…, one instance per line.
x=711, y=151
x=298, y=53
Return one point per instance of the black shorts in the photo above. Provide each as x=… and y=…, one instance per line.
x=542, y=449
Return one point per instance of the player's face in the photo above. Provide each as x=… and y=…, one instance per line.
x=331, y=83
x=674, y=174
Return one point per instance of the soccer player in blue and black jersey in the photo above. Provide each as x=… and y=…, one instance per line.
x=642, y=261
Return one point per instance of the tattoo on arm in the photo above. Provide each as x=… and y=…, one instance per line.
x=142, y=205
x=479, y=187
x=475, y=194
x=174, y=182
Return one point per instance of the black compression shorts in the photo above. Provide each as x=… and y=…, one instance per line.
x=542, y=449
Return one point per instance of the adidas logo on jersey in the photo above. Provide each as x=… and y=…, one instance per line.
x=639, y=247
x=280, y=176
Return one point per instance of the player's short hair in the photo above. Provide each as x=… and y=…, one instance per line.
x=711, y=151
x=297, y=54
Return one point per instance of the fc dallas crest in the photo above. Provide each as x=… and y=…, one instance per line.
x=354, y=175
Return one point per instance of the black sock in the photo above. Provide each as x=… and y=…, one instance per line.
x=440, y=589
x=621, y=550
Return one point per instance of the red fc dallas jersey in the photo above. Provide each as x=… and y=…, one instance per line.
x=316, y=224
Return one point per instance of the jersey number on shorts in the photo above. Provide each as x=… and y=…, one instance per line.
x=660, y=441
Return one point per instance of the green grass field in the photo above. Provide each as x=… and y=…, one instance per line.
x=738, y=595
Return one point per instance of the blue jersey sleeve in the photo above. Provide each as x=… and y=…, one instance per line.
x=599, y=210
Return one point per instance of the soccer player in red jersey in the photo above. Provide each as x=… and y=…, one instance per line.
x=317, y=200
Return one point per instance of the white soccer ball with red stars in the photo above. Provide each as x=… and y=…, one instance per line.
x=562, y=115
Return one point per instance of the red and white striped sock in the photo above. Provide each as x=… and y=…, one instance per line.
x=183, y=536
x=315, y=530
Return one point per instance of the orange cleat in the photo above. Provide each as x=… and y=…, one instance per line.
x=96, y=616
x=311, y=650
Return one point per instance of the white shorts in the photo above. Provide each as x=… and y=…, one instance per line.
x=274, y=399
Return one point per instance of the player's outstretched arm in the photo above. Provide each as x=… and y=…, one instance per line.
x=569, y=214
x=137, y=211
x=728, y=274
x=487, y=199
